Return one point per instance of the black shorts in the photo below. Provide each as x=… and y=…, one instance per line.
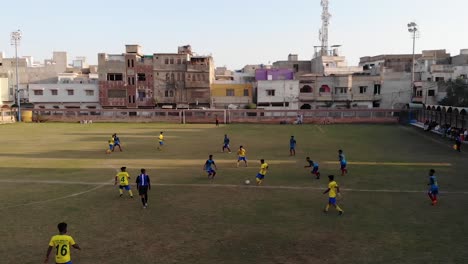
x=143, y=190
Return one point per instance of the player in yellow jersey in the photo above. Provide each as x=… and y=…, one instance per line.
x=161, y=141
x=241, y=156
x=122, y=177
x=333, y=190
x=111, y=144
x=62, y=244
x=263, y=170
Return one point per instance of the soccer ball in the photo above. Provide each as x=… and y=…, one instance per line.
x=247, y=182
x=108, y=151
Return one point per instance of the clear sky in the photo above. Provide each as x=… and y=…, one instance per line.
x=234, y=32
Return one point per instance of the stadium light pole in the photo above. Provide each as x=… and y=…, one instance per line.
x=15, y=40
x=413, y=29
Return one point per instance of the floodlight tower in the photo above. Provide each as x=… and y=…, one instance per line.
x=15, y=41
x=323, y=33
x=413, y=29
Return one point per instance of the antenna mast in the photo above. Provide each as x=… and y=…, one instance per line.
x=324, y=30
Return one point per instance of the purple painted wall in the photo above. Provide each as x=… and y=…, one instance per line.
x=277, y=74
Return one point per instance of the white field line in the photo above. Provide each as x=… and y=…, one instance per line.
x=279, y=187
x=55, y=199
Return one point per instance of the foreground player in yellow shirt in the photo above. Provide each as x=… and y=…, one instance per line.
x=263, y=170
x=241, y=153
x=161, y=141
x=333, y=190
x=62, y=244
x=123, y=177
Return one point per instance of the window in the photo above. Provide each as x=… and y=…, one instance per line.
x=141, y=77
x=54, y=92
x=419, y=93
x=89, y=92
x=172, y=61
x=439, y=79
x=270, y=92
x=115, y=77
x=377, y=88
x=133, y=63
x=38, y=92
x=431, y=93
x=246, y=92
x=362, y=89
x=117, y=93
x=306, y=89
x=341, y=90
x=179, y=61
x=128, y=63
x=324, y=89
x=141, y=94
x=230, y=92
x=296, y=67
x=166, y=61
x=70, y=92
x=168, y=93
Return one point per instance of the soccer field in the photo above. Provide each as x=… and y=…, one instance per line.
x=59, y=172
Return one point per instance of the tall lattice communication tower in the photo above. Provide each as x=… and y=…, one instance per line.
x=323, y=34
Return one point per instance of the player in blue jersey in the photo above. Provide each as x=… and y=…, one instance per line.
x=292, y=146
x=343, y=162
x=314, y=166
x=226, y=143
x=208, y=167
x=434, y=187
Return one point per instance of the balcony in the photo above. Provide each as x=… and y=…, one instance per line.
x=198, y=68
x=363, y=97
x=341, y=97
x=324, y=97
x=307, y=97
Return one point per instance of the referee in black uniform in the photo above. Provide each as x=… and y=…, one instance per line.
x=143, y=185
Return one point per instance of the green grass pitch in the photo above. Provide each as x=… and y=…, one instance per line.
x=59, y=172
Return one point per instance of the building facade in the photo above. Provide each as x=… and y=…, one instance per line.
x=278, y=94
x=65, y=96
x=182, y=79
x=126, y=80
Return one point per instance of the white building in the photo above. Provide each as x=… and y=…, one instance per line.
x=65, y=95
x=5, y=96
x=278, y=95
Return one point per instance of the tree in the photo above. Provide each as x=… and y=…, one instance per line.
x=457, y=94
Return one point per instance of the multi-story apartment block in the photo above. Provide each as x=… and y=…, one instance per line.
x=278, y=94
x=339, y=91
x=72, y=91
x=30, y=72
x=182, y=79
x=232, y=89
x=126, y=80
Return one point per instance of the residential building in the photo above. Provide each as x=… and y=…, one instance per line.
x=274, y=74
x=339, y=91
x=183, y=79
x=126, y=80
x=5, y=97
x=232, y=89
x=299, y=67
x=278, y=94
x=30, y=72
x=332, y=63
x=65, y=96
